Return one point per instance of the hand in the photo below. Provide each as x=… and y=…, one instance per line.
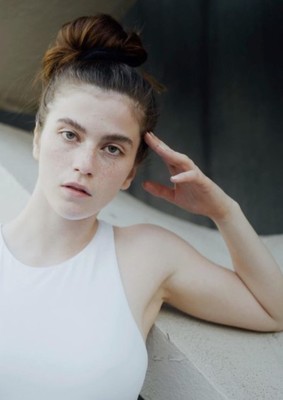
x=192, y=190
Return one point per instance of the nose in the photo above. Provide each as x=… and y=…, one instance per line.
x=84, y=161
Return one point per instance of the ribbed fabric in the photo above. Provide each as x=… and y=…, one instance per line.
x=66, y=331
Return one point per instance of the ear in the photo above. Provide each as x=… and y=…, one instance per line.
x=36, y=142
x=129, y=179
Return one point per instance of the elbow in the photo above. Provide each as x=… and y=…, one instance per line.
x=278, y=326
x=274, y=326
x=270, y=326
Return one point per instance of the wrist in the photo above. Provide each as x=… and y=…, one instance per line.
x=227, y=213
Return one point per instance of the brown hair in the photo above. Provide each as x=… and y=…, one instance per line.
x=97, y=50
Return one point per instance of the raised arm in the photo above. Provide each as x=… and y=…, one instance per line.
x=251, y=297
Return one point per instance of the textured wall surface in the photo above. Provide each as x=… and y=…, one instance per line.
x=26, y=29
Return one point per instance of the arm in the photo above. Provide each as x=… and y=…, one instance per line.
x=250, y=297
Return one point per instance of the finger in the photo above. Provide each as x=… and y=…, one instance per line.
x=185, y=177
x=158, y=190
x=170, y=157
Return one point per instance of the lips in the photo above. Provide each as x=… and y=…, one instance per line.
x=77, y=187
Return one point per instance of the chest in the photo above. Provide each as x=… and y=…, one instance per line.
x=68, y=337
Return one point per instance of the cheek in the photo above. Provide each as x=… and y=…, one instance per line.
x=51, y=159
x=113, y=171
x=114, y=174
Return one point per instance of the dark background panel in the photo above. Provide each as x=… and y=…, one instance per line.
x=222, y=65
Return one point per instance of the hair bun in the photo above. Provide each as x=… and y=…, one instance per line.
x=115, y=55
x=93, y=38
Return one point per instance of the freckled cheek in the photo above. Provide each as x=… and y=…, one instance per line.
x=109, y=171
x=115, y=172
x=53, y=160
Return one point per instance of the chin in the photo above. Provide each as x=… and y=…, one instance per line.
x=76, y=215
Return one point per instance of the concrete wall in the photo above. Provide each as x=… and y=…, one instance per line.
x=26, y=29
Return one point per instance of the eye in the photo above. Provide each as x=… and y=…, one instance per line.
x=69, y=136
x=113, y=150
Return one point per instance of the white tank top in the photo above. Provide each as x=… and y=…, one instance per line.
x=66, y=331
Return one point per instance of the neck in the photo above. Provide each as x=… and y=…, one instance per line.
x=53, y=237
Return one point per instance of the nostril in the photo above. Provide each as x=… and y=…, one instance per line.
x=84, y=163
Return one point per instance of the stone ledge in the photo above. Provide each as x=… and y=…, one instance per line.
x=193, y=359
x=188, y=358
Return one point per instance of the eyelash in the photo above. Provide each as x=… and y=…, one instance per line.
x=76, y=137
x=65, y=133
x=116, y=149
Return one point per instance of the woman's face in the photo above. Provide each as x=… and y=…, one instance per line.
x=86, y=150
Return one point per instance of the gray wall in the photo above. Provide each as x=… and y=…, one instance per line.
x=222, y=65
x=26, y=29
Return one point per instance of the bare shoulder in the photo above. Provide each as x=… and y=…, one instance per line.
x=147, y=258
x=158, y=247
x=147, y=236
x=141, y=239
x=159, y=267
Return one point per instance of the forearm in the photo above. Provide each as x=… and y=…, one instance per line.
x=252, y=262
x=196, y=193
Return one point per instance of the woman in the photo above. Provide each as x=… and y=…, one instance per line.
x=78, y=296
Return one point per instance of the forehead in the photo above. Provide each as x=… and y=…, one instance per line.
x=96, y=106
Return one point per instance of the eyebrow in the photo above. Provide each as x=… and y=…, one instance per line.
x=108, y=137
x=72, y=123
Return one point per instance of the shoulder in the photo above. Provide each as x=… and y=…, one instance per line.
x=148, y=235
x=155, y=245
x=145, y=265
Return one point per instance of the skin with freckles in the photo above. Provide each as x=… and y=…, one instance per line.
x=86, y=153
x=97, y=142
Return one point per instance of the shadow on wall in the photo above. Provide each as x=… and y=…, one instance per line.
x=22, y=121
x=222, y=65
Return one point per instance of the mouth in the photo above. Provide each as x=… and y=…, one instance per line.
x=77, y=188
